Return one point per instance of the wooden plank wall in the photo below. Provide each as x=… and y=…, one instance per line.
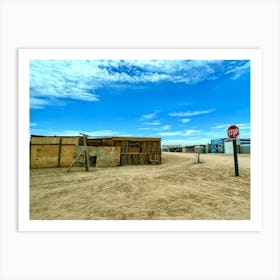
x=139, y=152
x=44, y=156
x=60, y=151
x=98, y=142
x=105, y=156
x=52, y=151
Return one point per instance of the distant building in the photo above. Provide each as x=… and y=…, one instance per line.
x=172, y=148
x=188, y=149
x=204, y=148
x=217, y=145
x=225, y=145
x=243, y=146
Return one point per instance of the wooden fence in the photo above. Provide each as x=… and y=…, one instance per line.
x=52, y=151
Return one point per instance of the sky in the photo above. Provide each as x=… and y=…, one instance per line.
x=183, y=102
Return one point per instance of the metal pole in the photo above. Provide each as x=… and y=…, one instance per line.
x=235, y=158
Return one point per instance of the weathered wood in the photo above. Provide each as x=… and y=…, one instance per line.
x=70, y=140
x=75, y=160
x=43, y=156
x=67, y=155
x=85, y=151
x=59, y=152
x=54, y=140
x=134, y=150
x=139, y=158
x=153, y=161
x=53, y=144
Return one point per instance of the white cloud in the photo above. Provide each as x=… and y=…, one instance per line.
x=98, y=133
x=80, y=79
x=185, y=141
x=171, y=133
x=145, y=128
x=37, y=103
x=180, y=133
x=225, y=126
x=60, y=79
x=244, y=125
x=165, y=127
x=153, y=123
x=238, y=71
x=185, y=120
x=150, y=117
x=220, y=126
x=190, y=113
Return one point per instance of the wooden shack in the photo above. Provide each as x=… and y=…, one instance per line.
x=60, y=151
x=133, y=150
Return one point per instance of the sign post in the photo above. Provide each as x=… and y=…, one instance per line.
x=233, y=132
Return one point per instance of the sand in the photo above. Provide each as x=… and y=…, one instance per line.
x=177, y=189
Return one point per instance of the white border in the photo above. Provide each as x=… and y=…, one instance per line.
x=254, y=55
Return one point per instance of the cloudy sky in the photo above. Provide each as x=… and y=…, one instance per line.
x=181, y=101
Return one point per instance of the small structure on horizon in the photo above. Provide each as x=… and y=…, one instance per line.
x=224, y=145
x=203, y=148
x=172, y=148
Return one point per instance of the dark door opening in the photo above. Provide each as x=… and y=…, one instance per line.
x=92, y=161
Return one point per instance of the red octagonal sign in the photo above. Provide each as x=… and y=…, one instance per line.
x=233, y=132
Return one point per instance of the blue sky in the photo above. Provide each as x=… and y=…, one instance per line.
x=181, y=101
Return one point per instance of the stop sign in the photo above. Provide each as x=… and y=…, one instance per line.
x=233, y=132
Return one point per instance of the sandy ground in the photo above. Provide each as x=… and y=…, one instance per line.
x=179, y=188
